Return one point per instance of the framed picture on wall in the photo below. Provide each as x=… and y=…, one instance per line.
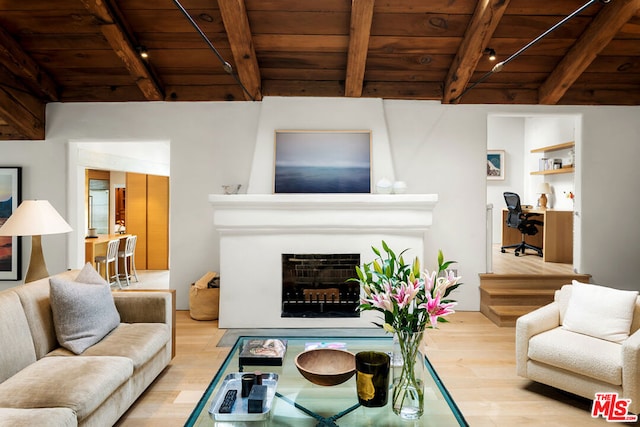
x=322, y=161
x=495, y=164
x=10, y=246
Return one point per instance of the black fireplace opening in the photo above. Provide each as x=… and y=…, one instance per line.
x=317, y=285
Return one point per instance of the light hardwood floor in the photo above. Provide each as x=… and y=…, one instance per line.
x=474, y=358
x=508, y=263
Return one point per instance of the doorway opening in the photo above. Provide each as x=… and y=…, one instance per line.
x=117, y=159
x=524, y=140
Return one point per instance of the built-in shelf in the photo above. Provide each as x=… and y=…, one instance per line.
x=557, y=147
x=554, y=171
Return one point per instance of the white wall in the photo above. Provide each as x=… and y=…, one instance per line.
x=607, y=195
x=506, y=133
x=43, y=177
x=435, y=149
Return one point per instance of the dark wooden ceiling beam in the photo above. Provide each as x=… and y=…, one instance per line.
x=20, y=109
x=359, y=33
x=595, y=38
x=236, y=24
x=17, y=61
x=122, y=46
x=483, y=23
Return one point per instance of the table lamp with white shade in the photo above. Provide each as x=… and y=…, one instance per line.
x=543, y=189
x=35, y=218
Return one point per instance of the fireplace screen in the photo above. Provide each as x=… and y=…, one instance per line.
x=316, y=285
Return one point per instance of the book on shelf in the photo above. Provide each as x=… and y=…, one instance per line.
x=263, y=351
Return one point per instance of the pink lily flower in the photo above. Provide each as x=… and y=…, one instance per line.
x=382, y=301
x=435, y=309
x=429, y=280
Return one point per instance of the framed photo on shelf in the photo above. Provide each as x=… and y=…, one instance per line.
x=10, y=246
x=495, y=164
x=322, y=161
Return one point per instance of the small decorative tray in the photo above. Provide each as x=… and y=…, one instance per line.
x=240, y=411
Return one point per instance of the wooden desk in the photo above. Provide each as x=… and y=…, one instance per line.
x=96, y=246
x=555, y=236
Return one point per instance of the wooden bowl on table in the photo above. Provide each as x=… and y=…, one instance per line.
x=326, y=366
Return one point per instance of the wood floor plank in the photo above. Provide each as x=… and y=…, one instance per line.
x=508, y=263
x=474, y=358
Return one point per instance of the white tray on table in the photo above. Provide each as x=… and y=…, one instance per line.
x=240, y=411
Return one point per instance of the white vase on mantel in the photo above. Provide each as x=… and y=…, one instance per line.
x=399, y=187
x=384, y=186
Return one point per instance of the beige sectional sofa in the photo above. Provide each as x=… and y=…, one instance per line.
x=43, y=383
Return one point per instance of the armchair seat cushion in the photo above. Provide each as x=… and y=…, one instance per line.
x=582, y=354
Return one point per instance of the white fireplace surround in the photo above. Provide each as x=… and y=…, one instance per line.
x=256, y=229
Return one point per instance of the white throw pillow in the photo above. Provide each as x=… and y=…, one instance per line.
x=600, y=312
x=83, y=312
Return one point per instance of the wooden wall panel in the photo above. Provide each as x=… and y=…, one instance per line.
x=147, y=216
x=157, y=222
x=136, y=215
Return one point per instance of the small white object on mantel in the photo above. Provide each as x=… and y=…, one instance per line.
x=399, y=187
x=384, y=186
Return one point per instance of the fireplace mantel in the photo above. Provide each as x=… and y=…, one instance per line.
x=406, y=213
x=256, y=229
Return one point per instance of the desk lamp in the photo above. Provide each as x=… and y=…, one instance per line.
x=35, y=218
x=543, y=188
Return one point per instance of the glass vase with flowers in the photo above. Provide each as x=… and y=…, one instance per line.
x=410, y=300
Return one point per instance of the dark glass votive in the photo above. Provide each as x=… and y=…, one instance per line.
x=372, y=378
x=247, y=381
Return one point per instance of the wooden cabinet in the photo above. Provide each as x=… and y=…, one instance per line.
x=551, y=148
x=157, y=222
x=147, y=216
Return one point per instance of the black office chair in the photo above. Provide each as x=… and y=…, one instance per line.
x=523, y=222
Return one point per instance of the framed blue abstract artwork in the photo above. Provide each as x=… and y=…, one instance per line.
x=322, y=161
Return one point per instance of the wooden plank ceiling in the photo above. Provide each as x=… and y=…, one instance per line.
x=89, y=51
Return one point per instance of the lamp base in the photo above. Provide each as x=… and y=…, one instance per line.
x=542, y=201
x=37, y=268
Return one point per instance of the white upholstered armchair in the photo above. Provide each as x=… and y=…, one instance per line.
x=585, y=342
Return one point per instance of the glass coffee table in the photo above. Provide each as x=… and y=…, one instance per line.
x=300, y=403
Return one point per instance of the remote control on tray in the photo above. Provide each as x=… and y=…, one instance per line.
x=227, y=403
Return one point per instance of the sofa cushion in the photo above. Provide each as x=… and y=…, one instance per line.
x=34, y=297
x=17, y=349
x=83, y=314
x=136, y=341
x=81, y=384
x=600, y=312
x=88, y=274
x=565, y=349
x=59, y=417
